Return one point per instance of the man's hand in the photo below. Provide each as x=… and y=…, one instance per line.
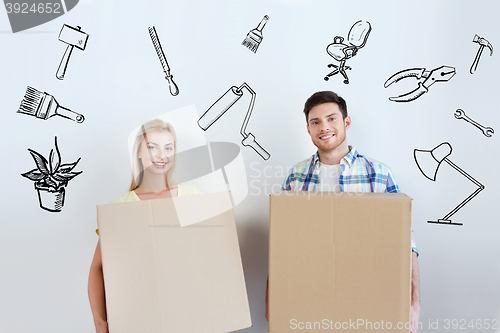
x=267, y=299
x=415, y=315
x=415, y=293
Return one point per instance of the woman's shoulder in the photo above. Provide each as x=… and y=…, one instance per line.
x=183, y=190
x=127, y=197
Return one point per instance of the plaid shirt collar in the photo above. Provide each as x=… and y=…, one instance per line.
x=347, y=159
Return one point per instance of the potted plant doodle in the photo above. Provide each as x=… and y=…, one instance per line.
x=51, y=177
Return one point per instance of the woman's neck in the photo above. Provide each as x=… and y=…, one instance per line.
x=154, y=183
x=148, y=194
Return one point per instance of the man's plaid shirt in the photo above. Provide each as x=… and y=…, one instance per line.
x=359, y=174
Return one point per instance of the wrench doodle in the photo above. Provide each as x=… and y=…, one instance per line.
x=487, y=131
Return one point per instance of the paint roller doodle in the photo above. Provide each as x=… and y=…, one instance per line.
x=255, y=37
x=45, y=106
x=74, y=38
x=357, y=37
x=226, y=101
x=174, y=90
x=51, y=178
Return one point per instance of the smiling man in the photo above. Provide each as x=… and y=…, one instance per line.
x=336, y=166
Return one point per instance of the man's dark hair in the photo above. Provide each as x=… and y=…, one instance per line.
x=322, y=97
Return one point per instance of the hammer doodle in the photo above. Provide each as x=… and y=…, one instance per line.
x=357, y=37
x=255, y=37
x=425, y=80
x=174, y=90
x=51, y=178
x=224, y=103
x=45, y=106
x=487, y=131
x=74, y=38
x=482, y=44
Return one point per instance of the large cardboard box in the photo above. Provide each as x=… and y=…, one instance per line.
x=163, y=277
x=339, y=262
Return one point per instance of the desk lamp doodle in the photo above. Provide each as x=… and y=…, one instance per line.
x=430, y=161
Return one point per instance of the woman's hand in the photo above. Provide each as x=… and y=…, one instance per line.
x=101, y=327
x=96, y=292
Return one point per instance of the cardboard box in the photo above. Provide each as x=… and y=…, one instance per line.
x=339, y=262
x=162, y=277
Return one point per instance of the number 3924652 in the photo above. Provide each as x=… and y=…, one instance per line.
x=478, y=324
x=42, y=7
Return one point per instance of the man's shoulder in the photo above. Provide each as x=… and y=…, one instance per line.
x=302, y=165
x=300, y=174
x=380, y=174
x=373, y=164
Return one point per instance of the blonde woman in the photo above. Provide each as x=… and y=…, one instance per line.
x=152, y=169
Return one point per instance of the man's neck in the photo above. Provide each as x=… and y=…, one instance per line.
x=334, y=156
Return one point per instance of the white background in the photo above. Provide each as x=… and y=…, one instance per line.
x=117, y=83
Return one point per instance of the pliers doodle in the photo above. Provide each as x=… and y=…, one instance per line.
x=440, y=74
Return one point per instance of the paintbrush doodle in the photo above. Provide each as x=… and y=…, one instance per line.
x=487, y=131
x=357, y=37
x=51, y=178
x=44, y=106
x=224, y=103
x=174, y=90
x=482, y=44
x=425, y=80
x=255, y=37
x=74, y=38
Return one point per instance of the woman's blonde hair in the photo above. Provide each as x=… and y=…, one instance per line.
x=154, y=125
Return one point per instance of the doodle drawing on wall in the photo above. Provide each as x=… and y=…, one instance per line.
x=224, y=103
x=425, y=80
x=429, y=161
x=487, y=131
x=255, y=36
x=174, y=90
x=51, y=177
x=42, y=105
x=356, y=38
x=482, y=44
x=74, y=38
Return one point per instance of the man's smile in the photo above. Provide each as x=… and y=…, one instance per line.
x=326, y=136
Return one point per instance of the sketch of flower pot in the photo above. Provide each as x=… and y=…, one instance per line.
x=51, y=177
x=52, y=201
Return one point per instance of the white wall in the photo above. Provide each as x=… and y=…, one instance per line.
x=117, y=83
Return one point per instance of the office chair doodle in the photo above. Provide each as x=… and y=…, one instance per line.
x=342, y=52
